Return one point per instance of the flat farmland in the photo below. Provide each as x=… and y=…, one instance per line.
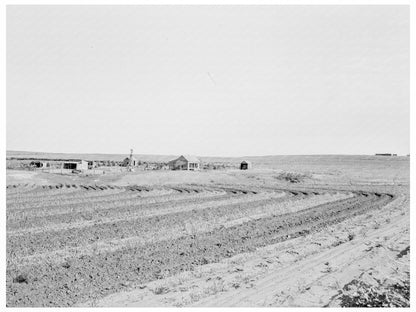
x=133, y=241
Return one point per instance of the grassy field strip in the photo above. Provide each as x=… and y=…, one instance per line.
x=85, y=198
x=286, y=207
x=96, y=213
x=95, y=197
x=111, y=201
x=45, y=197
x=19, y=188
x=262, y=211
x=49, y=199
x=136, y=206
x=39, y=192
x=12, y=194
x=186, y=227
x=141, y=212
x=88, y=212
x=71, y=199
x=28, y=202
x=56, y=197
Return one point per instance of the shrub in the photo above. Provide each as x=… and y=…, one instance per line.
x=292, y=177
x=160, y=290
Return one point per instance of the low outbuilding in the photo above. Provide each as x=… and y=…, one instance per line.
x=75, y=165
x=386, y=154
x=38, y=164
x=245, y=165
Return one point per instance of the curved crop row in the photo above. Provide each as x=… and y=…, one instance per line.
x=95, y=275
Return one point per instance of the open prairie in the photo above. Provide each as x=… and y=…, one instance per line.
x=293, y=231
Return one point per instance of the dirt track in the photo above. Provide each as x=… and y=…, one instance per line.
x=69, y=244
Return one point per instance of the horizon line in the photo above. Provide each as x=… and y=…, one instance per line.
x=144, y=154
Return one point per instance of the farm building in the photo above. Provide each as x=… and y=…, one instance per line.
x=126, y=162
x=386, y=154
x=244, y=165
x=185, y=163
x=75, y=165
x=38, y=164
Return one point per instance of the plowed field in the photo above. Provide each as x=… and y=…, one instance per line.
x=68, y=244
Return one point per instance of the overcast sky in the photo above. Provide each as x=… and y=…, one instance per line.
x=225, y=80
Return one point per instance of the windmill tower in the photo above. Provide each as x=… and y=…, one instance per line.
x=131, y=164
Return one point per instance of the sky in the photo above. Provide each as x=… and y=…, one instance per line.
x=208, y=80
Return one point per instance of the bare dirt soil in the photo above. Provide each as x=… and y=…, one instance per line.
x=224, y=239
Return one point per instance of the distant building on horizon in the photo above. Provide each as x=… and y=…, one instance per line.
x=386, y=154
x=245, y=165
x=75, y=165
x=130, y=161
x=185, y=162
x=38, y=164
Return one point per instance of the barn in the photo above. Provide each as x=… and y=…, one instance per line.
x=75, y=165
x=185, y=163
x=244, y=165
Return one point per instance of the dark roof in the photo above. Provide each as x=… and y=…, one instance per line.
x=188, y=158
x=74, y=161
x=192, y=159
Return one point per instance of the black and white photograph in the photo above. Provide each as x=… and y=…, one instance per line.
x=207, y=155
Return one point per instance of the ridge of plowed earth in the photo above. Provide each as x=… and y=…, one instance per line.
x=186, y=226
x=131, y=224
x=38, y=192
x=42, y=191
x=85, y=197
x=305, y=271
x=81, y=191
x=89, y=204
x=93, y=276
x=48, y=199
x=313, y=271
x=15, y=188
x=135, y=206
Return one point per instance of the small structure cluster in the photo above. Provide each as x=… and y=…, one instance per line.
x=130, y=163
x=92, y=164
x=38, y=164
